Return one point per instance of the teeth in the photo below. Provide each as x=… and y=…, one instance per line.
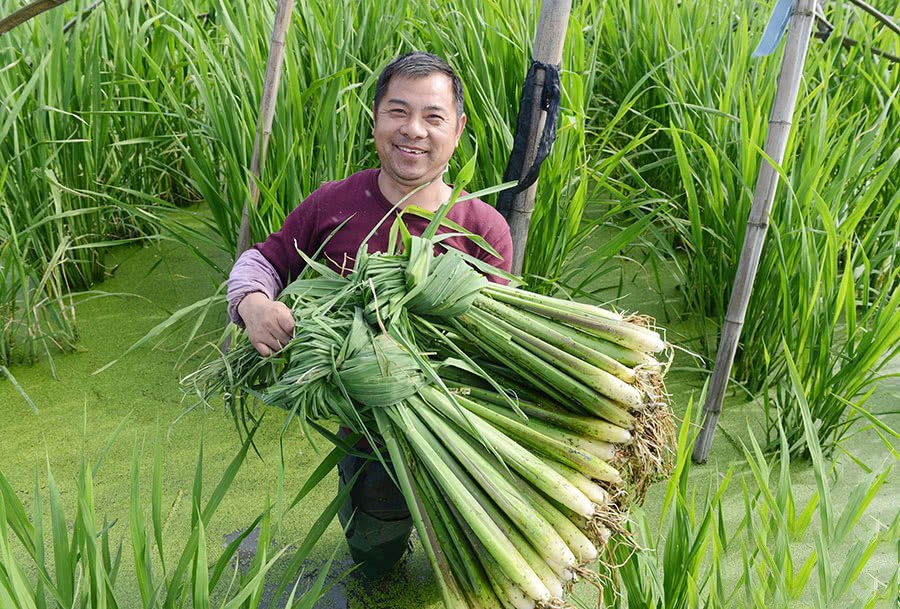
x=410, y=150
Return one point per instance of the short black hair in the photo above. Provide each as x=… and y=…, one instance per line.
x=419, y=64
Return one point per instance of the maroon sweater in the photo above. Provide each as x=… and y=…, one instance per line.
x=357, y=201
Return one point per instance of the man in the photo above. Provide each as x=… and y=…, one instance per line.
x=418, y=120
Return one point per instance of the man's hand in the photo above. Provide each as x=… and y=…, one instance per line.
x=270, y=324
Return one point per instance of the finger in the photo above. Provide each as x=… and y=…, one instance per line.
x=263, y=349
x=286, y=322
x=278, y=342
x=285, y=319
x=279, y=338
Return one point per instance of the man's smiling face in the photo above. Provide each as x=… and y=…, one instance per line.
x=416, y=129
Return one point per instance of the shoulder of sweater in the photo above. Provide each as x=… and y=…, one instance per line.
x=476, y=210
x=353, y=182
x=340, y=193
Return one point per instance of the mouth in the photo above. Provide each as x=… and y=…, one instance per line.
x=410, y=150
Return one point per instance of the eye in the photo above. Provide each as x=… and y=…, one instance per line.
x=397, y=112
x=435, y=119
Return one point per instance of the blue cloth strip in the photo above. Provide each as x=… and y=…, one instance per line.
x=775, y=29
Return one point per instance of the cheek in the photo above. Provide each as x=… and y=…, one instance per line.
x=446, y=135
x=381, y=137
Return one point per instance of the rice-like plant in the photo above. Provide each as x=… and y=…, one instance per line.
x=78, y=561
x=771, y=545
x=85, y=153
x=831, y=258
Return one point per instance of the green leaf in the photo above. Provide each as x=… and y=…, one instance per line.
x=17, y=518
x=462, y=179
x=156, y=503
x=800, y=524
x=63, y=559
x=812, y=443
x=608, y=248
x=164, y=326
x=228, y=476
x=799, y=581
x=681, y=463
x=855, y=562
x=464, y=176
x=109, y=443
x=35, y=545
x=315, y=591
x=458, y=229
x=200, y=581
x=23, y=96
x=175, y=585
x=14, y=588
x=313, y=536
x=142, y=566
x=227, y=555
x=18, y=388
x=857, y=503
x=197, y=490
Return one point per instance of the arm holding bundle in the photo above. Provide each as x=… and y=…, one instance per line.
x=252, y=287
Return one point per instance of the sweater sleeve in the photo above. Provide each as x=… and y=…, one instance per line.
x=251, y=273
x=502, y=242
x=496, y=232
x=299, y=232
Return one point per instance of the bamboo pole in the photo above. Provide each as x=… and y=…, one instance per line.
x=27, y=12
x=795, y=49
x=266, y=116
x=548, y=46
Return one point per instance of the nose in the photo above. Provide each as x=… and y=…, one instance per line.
x=413, y=127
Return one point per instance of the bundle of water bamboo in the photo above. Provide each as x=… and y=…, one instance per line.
x=519, y=426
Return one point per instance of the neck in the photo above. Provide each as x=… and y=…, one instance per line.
x=429, y=196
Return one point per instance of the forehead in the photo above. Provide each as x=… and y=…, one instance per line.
x=433, y=91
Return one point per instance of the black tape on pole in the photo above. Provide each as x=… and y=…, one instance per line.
x=515, y=169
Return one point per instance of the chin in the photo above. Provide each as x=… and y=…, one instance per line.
x=414, y=179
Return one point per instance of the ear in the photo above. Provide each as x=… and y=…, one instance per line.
x=459, y=128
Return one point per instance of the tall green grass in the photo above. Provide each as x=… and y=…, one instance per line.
x=86, y=158
x=767, y=543
x=81, y=559
x=828, y=277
